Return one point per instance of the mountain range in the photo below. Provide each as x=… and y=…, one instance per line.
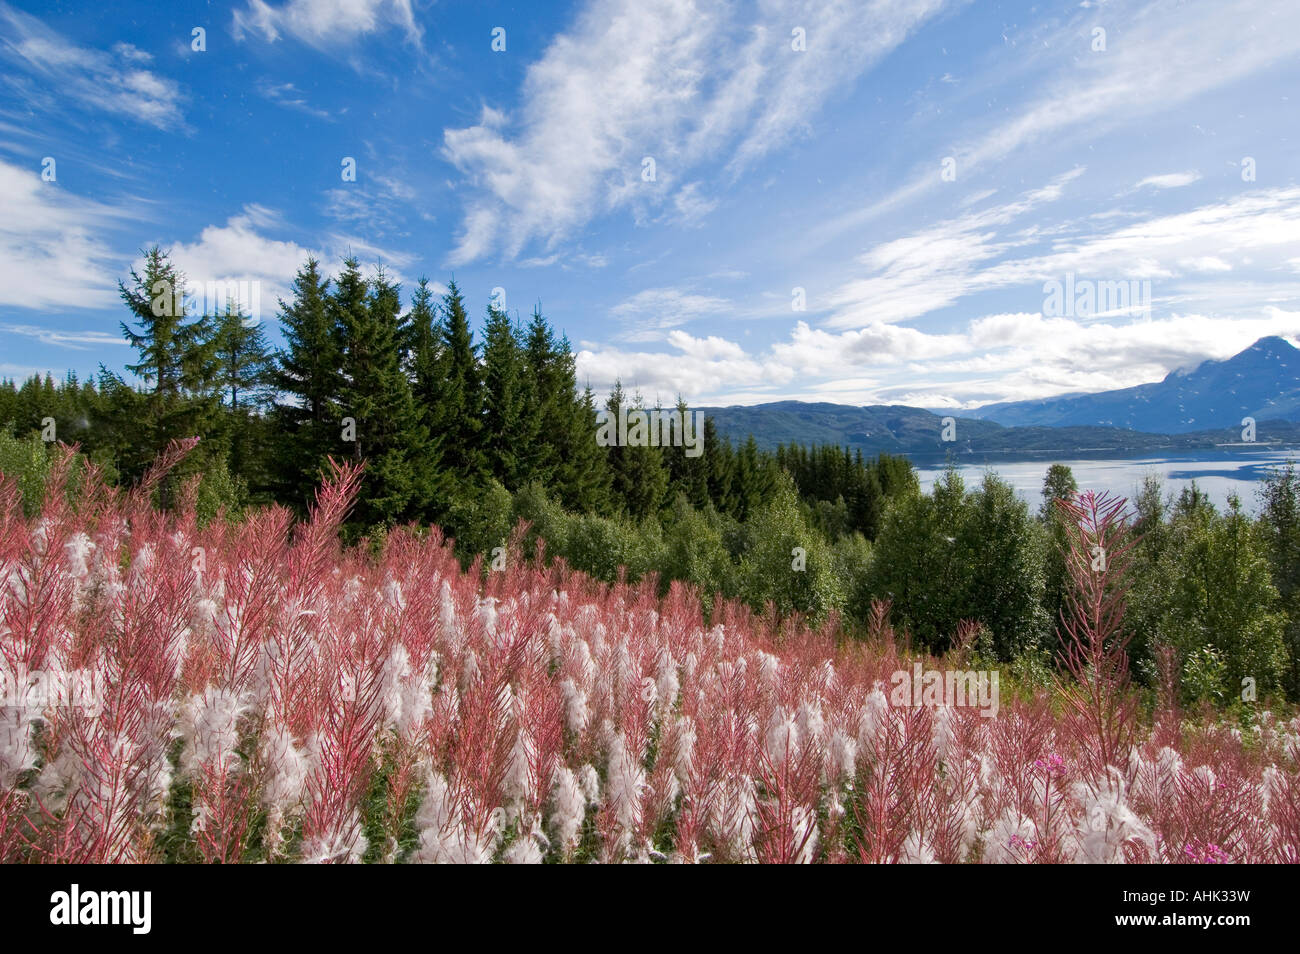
x=1261, y=382
x=1197, y=408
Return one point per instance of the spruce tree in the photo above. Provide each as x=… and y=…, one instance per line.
x=717, y=453
x=550, y=395
x=156, y=298
x=242, y=372
x=615, y=452
x=584, y=475
x=753, y=478
x=508, y=426
x=308, y=372
x=358, y=362
x=640, y=479
x=376, y=394
x=424, y=335
x=243, y=363
x=175, y=364
x=688, y=475
x=460, y=404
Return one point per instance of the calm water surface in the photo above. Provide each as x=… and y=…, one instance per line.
x=1217, y=472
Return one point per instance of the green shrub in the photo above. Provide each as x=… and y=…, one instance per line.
x=25, y=460
x=545, y=517
x=694, y=553
x=955, y=554
x=788, y=563
x=479, y=519
x=1221, y=607
x=1204, y=675
x=219, y=490
x=852, y=558
x=598, y=545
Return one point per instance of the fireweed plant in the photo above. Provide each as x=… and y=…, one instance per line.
x=268, y=695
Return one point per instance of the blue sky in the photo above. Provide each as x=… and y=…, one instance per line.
x=852, y=202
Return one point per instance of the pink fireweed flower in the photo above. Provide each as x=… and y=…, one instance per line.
x=1052, y=765
x=1205, y=853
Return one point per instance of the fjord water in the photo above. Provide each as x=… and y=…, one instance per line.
x=1218, y=472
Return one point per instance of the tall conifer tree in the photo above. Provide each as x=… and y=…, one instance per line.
x=376, y=394
x=508, y=426
x=425, y=333
x=241, y=371
x=175, y=364
x=307, y=372
x=460, y=404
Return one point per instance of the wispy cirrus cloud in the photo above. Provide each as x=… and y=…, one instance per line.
x=649, y=314
x=325, y=23
x=290, y=97
x=1170, y=180
x=933, y=268
x=681, y=82
x=1183, y=254
x=53, y=250
x=1159, y=55
x=49, y=71
x=77, y=340
x=369, y=206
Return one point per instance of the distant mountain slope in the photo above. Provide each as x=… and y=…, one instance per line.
x=898, y=429
x=880, y=427
x=1261, y=382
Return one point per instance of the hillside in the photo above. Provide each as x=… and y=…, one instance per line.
x=1188, y=409
x=898, y=429
x=1262, y=382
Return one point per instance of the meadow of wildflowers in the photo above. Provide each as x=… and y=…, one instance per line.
x=264, y=695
